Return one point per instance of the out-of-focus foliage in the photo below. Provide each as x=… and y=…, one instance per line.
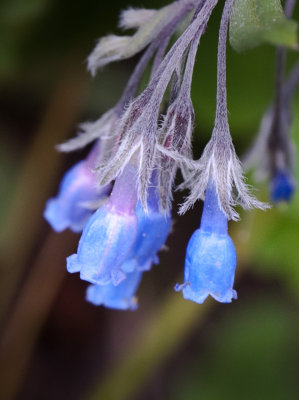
x=250, y=355
x=275, y=236
x=15, y=19
x=257, y=21
x=41, y=32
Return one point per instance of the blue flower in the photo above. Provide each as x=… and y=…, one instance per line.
x=109, y=234
x=105, y=243
x=152, y=232
x=121, y=297
x=211, y=257
x=282, y=187
x=68, y=210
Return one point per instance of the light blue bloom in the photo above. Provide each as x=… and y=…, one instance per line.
x=121, y=297
x=69, y=209
x=282, y=187
x=211, y=257
x=109, y=234
x=152, y=232
x=105, y=244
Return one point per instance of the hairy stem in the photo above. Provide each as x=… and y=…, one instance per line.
x=221, y=107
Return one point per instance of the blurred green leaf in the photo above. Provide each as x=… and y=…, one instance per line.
x=160, y=336
x=17, y=19
x=16, y=11
x=257, y=21
x=248, y=355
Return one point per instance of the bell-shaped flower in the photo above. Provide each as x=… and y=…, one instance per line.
x=109, y=235
x=69, y=209
x=121, y=297
x=211, y=257
x=152, y=232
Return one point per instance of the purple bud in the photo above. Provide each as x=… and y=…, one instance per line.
x=69, y=209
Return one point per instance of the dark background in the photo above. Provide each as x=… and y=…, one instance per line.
x=54, y=345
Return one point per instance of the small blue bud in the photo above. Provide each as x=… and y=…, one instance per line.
x=67, y=210
x=121, y=297
x=211, y=257
x=282, y=187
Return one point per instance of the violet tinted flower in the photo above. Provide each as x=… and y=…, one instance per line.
x=69, y=209
x=153, y=229
x=109, y=235
x=211, y=257
x=121, y=297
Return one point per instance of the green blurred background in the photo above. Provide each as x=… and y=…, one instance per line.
x=56, y=346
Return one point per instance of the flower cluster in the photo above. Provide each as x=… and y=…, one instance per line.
x=121, y=195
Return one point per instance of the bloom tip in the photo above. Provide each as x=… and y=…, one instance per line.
x=53, y=217
x=72, y=264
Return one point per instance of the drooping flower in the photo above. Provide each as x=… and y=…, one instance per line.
x=121, y=297
x=142, y=152
x=109, y=235
x=218, y=180
x=153, y=229
x=211, y=257
x=72, y=207
x=152, y=232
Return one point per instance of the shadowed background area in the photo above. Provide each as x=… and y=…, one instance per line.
x=53, y=344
